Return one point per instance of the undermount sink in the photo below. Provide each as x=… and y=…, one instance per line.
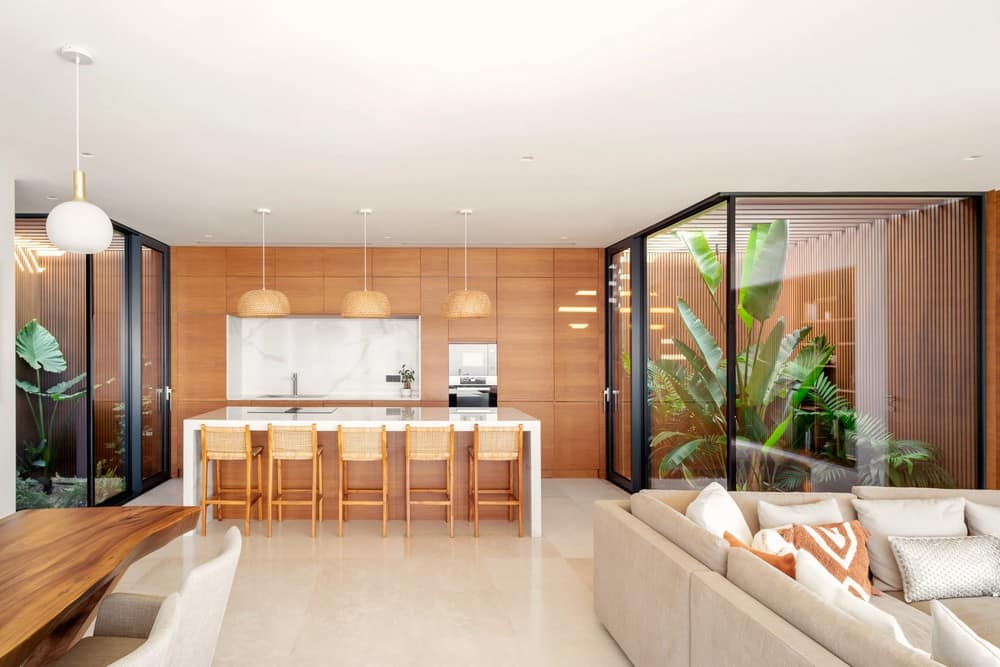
x=291, y=396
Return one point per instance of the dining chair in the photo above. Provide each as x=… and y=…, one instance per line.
x=431, y=443
x=354, y=444
x=230, y=443
x=492, y=444
x=294, y=443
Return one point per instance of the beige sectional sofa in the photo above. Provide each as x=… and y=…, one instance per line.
x=670, y=593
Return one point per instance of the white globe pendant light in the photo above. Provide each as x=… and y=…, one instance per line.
x=77, y=225
x=466, y=303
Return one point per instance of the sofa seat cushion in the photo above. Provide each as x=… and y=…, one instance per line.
x=916, y=624
x=684, y=533
x=91, y=651
x=844, y=636
x=980, y=614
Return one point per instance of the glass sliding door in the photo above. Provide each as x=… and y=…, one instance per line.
x=155, y=391
x=92, y=369
x=619, y=391
x=686, y=351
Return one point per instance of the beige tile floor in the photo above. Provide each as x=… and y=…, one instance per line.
x=429, y=600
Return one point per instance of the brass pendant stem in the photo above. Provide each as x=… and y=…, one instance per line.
x=79, y=185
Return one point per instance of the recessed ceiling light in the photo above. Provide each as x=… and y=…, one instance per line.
x=527, y=158
x=209, y=236
x=564, y=238
x=387, y=237
x=51, y=197
x=86, y=154
x=578, y=325
x=972, y=157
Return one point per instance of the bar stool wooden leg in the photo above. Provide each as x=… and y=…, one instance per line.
x=451, y=499
x=260, y=487
x=312, y=507
x=340, y=497
x=204, y=493
x=249, y=488
x=319, y=474
x=346, y=487
x=475, y=492
x=510, y=485
x=270, y=490
x=468, y=485
x=385, y=496
x=407, y=495
x=217, y=470
x=279, y=496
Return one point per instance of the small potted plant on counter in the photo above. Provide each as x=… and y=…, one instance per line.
x=407, y=376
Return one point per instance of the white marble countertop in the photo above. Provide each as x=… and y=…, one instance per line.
x=395, y=418
x=339, y=396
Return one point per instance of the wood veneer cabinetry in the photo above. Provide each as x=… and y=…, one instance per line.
x=548, y=369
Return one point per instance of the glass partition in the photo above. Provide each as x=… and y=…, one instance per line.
x=842, y=348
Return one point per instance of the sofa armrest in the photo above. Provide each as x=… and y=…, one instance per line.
x=127, y=615
x=641, y=587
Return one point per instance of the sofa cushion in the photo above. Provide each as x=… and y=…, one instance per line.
x=715, y=511
x=915, y=623
x=844, y=636
x=785, y=563
x=680, y=530
x=982, y=519
x=771, y=515
x=939, y=517
x=955, y=644
x=980, y=614
x=948, y=567
x=981, y=496
x=841, y=548
x=748, y=500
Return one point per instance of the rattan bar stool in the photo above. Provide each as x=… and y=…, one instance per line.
x=294, y=443
x=361, y=444
x=497, y=443
x=432, y=443
x=229, y=443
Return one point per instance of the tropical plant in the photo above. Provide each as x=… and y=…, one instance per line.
x=783, y=397
x=40, y=350
x=407, y=375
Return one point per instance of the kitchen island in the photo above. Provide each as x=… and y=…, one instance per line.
x=395, y=420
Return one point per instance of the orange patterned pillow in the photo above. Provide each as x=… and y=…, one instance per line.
x=785, y=563
x=841, y=548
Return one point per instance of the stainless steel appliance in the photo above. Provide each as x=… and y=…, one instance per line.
x=472, y=375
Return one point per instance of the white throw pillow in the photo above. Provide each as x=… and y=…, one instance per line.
x=982, y=519
x=954, y=644
x=716, y=511
x=810, y=514
x=944, y=517
x=770, y=541
x=810, y=573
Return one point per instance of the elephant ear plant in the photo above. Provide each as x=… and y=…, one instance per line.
x=777, y=372
x=40, y=350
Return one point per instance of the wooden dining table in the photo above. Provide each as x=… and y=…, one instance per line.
x=56, y=565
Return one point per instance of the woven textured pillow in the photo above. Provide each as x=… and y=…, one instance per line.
x=840, y=548
x=935, y=568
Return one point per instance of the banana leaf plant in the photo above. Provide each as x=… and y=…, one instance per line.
x=39, y=349
x=774, y=372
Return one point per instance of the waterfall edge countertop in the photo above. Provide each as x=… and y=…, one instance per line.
x=395, y=420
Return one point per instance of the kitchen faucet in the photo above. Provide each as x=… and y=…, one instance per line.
x=295, y=384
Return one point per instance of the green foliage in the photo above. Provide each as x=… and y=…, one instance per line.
x=777, y=373
x=30, y=494
x=406, y=375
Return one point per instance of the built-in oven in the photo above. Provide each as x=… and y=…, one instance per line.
x=472, y=375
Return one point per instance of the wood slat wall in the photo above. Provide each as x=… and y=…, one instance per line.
x=547, y=368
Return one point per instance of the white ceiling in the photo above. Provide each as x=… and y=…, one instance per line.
x=199, y=112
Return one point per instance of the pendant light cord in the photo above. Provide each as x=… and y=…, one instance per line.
x=263, y=249
x=364, y=215
x=78, y=113
x=466, y=216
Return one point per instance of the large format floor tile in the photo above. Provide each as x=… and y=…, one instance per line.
x=426, y=600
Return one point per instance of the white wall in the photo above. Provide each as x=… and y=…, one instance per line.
x=8, y=452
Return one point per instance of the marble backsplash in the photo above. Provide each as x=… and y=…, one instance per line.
x=334, y=357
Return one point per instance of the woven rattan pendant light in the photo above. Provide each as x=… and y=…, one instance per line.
x=365, y=302
x=263, y=302
x=465, y=303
